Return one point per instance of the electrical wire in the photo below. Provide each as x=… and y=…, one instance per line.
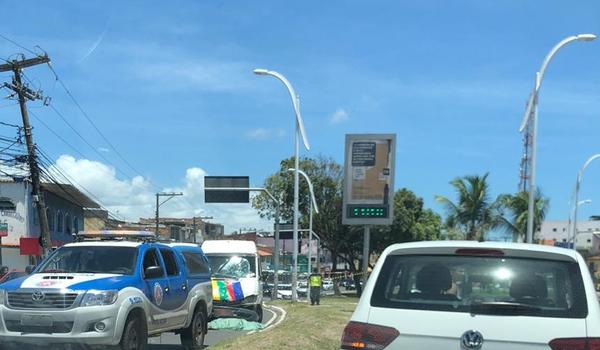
x=17, y=44
x=57, y=134
x=92, y=123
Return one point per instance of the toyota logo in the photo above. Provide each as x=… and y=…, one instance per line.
x=38, y=296
x=471, y=340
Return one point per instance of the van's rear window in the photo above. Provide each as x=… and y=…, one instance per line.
x=481, y=285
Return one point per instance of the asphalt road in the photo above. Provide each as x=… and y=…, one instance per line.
x=170, y=341
x=167, y=341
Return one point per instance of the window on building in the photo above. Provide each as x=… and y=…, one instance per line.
x=50, y=219
x=59, y=222
x=554, y=229
x=68, y=223
x=564, y=229
x=589, y=241
x=6, y=204
x=76, y=224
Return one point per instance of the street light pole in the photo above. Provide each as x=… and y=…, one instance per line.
x=162, y=194
x=299, y=132
x=531, y=117
x=313, y=205
x=576, y=192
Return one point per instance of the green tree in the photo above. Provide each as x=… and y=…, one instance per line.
x=474, y=213
x=412, y=222
x=515, y=210
x=326, y=176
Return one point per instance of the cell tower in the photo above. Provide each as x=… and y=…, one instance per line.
x=525, y=174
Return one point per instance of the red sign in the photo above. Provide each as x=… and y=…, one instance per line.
x=30, y=246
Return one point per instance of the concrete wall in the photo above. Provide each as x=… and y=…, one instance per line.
x=557, y=230
x=58, y=207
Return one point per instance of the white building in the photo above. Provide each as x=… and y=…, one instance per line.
x=556, y=232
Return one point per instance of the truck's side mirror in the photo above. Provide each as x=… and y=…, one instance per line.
x=153, y=272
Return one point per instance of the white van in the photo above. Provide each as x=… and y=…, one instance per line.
x=236, y=274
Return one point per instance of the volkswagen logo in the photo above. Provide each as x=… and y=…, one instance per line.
x=38, y=296
x=471, y=340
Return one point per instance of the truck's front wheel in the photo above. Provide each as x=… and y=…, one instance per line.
x=135, y=335
x=192, y=338
x=259, y=311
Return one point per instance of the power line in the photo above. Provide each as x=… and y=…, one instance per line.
x=86, y=141
x=56, y=134
x=60, y=81
x=17, y=44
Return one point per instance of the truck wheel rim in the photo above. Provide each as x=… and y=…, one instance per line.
x=199, y=331
x=133, y=339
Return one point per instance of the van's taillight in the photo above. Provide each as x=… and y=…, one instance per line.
x=358, y=335
x=575, y=344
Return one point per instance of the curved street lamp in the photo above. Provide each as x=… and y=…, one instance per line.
x=299, y=133
x=576, y=191
x=313, y=205
x=531, y=117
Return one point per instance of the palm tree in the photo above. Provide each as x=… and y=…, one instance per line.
x=515, y=208
x=473, y=213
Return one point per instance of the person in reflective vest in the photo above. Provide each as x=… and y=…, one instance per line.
x=315, y=281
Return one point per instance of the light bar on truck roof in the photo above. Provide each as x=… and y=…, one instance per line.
x=114, y=234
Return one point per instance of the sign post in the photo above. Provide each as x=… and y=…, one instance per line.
x=369, y=170
x=235, y=189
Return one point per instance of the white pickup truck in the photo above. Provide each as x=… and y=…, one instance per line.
x=110, y=290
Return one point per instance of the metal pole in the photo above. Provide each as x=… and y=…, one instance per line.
x=576, y=194
x=532, y=188
x=310, y=218
x=531, y=116
x=157, y=205
x=296, y=200
x=367, y=239
x=276, y=255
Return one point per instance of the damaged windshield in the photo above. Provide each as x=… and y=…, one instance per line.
x=233, y=266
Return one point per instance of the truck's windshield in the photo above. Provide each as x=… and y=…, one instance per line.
x=88, y=259
x=232, y=266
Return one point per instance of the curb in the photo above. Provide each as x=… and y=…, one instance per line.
x=282, y=317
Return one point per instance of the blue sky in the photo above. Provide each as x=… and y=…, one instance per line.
x=172, y=88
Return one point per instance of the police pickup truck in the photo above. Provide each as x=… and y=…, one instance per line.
x=110, y=288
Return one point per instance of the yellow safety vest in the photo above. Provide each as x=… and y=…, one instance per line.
x=315, y=280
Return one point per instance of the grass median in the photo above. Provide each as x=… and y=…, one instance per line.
x=305, y=327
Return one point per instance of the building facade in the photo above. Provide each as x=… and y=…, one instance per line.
x=19, y=223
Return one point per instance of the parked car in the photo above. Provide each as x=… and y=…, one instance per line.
x=113, y=288
x=12, y=274
x=327, y=284
x=470, y=295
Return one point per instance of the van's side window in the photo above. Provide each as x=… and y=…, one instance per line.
x=196, y=264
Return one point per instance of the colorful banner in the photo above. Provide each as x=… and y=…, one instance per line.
x=227, y=290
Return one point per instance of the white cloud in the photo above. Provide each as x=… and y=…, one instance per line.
x=135, y=198
x=262, y=134
x=339, y=116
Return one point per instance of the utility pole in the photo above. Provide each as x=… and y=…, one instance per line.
x=158, y=204
x=194, y=229
x=24, y=94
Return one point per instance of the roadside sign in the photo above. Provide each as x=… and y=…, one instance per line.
x=226, y=196
x=3, y=229
x=369, y=179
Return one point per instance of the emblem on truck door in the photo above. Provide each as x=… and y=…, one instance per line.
x=471, y=340
x=38, y=296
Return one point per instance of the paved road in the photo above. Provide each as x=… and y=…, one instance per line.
x=167, y=341
x=170, y=341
